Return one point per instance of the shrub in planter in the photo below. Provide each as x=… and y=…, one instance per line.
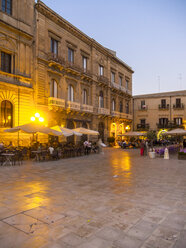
x=111, y=141
x=182, y=155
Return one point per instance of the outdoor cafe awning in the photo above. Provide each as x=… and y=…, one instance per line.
x=133, y=134
x=66, y=131
x=177, y=131
x=33, y=128
x=86, y=131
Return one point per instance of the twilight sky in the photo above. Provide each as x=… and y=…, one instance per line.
x=149, y=35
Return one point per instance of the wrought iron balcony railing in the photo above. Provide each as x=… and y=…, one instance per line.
x=143, y=127
x=164, y=107
x=178, y=106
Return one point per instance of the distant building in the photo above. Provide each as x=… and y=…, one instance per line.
x=50, y=67
x=159, y=111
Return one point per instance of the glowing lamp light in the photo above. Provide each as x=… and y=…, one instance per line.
x=41, y=119
x=32, y=118
x=37, y=115
x=127, y=127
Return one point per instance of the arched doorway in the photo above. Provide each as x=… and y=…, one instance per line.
x=84, y=136
x=101, y=128
x=70, y=125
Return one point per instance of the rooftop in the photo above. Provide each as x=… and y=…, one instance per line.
x=162, y=94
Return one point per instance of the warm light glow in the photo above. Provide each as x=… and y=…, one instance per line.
x=41, y=119
x=9, y=117
x=37, y=115
x=127, y=127
x=32, y=118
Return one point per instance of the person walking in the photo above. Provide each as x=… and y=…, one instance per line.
x=142, y=148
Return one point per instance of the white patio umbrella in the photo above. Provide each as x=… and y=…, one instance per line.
x=33, y=128
x=133, y=134
x=177, y=131
x=86, y=131
x=66, y=131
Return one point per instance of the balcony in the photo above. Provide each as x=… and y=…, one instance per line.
x=52, y=101
x=143, y=108
x=116, y=86
x=103, y=111
x=119, y=87
x=169, y=125
x=87, y=108
x=121, y=115
x=73, y=105
x=102, y=79
x=55, y=58
x=164, y=107
x=143, y=127
x=178, y=106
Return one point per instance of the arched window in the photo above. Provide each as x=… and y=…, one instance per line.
x=120, y=107
x=53, y=89
x=113, y=105
x=6, y=114
x=70, y=93
x=101, y=100
x=85, y=98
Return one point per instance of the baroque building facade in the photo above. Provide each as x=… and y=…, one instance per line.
x=160, y=111
x=59, y=72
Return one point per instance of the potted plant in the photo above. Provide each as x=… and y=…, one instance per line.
x=182, y=154
x=151, y=136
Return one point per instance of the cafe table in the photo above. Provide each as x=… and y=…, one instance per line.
x=8, y=158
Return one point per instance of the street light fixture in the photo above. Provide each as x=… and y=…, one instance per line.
x=37, y=118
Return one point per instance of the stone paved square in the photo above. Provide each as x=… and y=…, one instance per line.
x=112, y=200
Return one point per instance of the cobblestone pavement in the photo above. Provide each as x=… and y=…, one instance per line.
x=112, y=200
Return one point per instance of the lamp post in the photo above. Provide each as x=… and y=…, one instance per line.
x=36, y=118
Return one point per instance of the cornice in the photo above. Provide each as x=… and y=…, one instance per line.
x=16, y=30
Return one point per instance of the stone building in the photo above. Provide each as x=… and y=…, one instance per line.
x=16, y=65
x=159, y=111
x=59, y=72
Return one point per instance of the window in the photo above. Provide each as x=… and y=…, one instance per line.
x=120, y=81
x=53, y=89
x=84, y=63
x=127, y=84
x=54, y=46
x=101, y=70
x=178, y=102
x=101, y=100
x=120, y=107
x=6, y=62
x=85, y=99
x=70, y=55
x=70, y=93
x=7, y=6
x=178, y=121
x=127, y=108
x=163, y=122
x=163, y=103
x=143, y=106
x=112, y=77
x=143, y=122
x=6, y=114
x=113, y=105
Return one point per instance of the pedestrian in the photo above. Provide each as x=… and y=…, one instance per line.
x=142, y=148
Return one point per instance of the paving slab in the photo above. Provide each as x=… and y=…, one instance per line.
x=112, y=200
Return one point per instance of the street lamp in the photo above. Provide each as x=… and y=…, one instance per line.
x=37, y=117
